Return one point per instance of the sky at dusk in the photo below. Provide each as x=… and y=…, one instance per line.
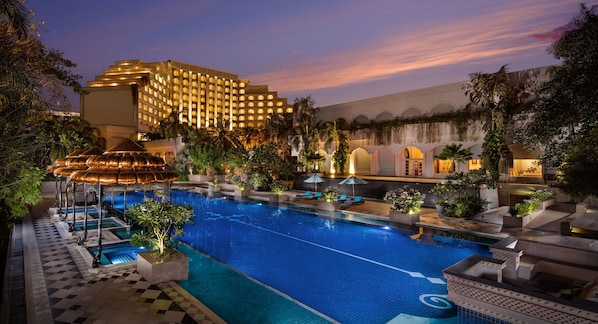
x=334, y=50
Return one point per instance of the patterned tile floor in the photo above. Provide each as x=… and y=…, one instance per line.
x=62, y=288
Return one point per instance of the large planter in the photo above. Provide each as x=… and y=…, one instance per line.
x=517, y=222
x=241, y=193
x=329, y=206
x=198, y=178
x=520, y=222
x=439, y=209
x=213, y=188
x=276, y=199
x=176, y=267
x=402, y=218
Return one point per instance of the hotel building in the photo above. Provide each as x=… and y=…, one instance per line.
x=130, y=98
x=408, y=151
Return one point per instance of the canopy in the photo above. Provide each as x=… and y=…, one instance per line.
x=315, y=179
x=353, y=180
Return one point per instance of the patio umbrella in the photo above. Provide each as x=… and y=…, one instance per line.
x=315, y=179
x=353, y=180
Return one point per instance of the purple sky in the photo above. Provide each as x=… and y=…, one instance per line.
x=334, y=50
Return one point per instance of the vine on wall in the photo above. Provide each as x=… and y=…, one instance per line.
x=380, y=132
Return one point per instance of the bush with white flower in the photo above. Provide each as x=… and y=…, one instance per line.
x=405, y=200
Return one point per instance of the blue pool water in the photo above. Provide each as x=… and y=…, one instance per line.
x=117, y=252
x=92, y=224
x=349, y=272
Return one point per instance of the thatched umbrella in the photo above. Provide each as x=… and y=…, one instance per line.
x=62, y=162
x=71, y=164
x=126, y=163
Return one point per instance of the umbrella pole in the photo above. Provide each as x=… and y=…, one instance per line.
x=97, y=257
x=72, y=227
x=125, y=205
x=84, y=237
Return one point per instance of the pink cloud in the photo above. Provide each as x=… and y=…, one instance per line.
x=501, y=33
x=553, y=35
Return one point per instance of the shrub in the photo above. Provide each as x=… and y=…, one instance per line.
x=330, y=194
x=278, y=186
x=525, y=208
x=541, y=195
x=465, y=206
x=405, y=200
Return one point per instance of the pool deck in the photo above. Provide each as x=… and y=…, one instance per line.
x=48, y=279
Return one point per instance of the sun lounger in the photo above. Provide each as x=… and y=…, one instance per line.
x=304, y=195
x=356, y=200
x=341, y=198
x=316, y=195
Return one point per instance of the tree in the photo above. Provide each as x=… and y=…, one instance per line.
x=172, y=127
x=278, y=130
x=501, y=95
x=565, y=117
x=159, y=220
x=341, y=153
x=455, y=154
x=16, y=16
x=305, y=116
x=31, y=77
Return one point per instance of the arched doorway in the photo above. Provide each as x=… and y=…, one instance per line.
x=413, y=159
x=360, y=162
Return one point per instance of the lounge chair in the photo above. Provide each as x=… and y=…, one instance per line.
x=341, y=198
x=356, y=200
x=316, y=195
x=304, y=195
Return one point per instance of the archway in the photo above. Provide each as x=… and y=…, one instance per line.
x=360, y=161
x=413, y=159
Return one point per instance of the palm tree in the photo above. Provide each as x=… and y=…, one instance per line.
x=278, y=130
x=17, y=17
x=501, y=94
x=455, y=154
x=305, y=118
x=172, y=127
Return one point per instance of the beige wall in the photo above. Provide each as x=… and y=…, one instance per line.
x=434, y=99
x=109, y=106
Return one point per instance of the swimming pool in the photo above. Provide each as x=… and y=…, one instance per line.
x=117, y=252
x=92, y=224
x=349, y=272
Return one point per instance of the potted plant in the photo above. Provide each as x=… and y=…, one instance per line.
x=242, y=186
x=405, y=204
x=213, y=186
x=442, y=192
x=328, y=200
x=278, y=187
x=160, y=219
x=258, y=180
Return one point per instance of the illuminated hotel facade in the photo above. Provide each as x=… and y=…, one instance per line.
x=130, y=98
